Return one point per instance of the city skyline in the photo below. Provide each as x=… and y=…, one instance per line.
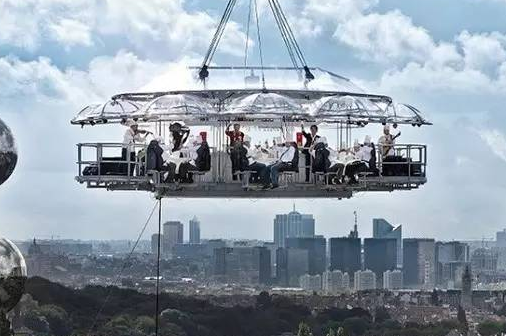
x=68, y=71
x=364, y=230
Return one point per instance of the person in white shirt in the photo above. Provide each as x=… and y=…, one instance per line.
x=253, y=155
x=386, y=142
x=133, y=135
x=337, y=164
x=287, y=161
x=190, y=164
x=361, y=161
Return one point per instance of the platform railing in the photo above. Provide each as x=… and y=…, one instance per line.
x=414, y=155
x=110, y=167
x=128, y=168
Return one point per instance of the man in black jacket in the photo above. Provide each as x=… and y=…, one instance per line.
x=310, y=141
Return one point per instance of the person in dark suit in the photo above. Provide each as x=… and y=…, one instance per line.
x=310, y=141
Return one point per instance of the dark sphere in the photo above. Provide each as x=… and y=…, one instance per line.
x=12, y=275
x=8, y=152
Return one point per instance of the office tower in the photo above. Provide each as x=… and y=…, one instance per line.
x=380, y=255
x=194, y=231
x=244, y=265
x=466, y=300
x=383, y=229
x=311, y=283
x=419, y=269
x=484, y=261
x=213, y=244
x=451, y=259
x=292, y=225
x=154, y=243
x=317, y=252
x=365, y=280
x=335, y=282
x=272, y=248
x=291, y=264
x=345, y=255
x=501, y=239
x=392, y=280
x=172, y=235
x=500, y=248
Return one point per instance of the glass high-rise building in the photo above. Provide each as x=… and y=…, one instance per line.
x=172, y=235
x=292, y=225
x=345, y=255
x=317, y=252
x=291, y=264
x=451, y=259
x=194, y=231
x=380, y=255
x=383, y=229
x=245, y=265
x=154, y=243
x=419, y=256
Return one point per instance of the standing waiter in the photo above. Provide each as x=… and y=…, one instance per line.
x=310, y=141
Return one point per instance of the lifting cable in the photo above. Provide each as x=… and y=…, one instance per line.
x=260, y=45
x=285, y=38
x=120, y=273
x=204, y=73
x=287, y=34
x=247, y=35
x=293, y=48
x=157, y=309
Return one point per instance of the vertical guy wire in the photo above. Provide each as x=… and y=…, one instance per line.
x=157, y=324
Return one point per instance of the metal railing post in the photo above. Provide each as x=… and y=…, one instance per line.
x=99, y=160
x=409, y=163
x=79, y=159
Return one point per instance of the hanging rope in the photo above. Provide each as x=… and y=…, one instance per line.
x=204, y=73
x=260, y=45
x=289, y=48
x=247, y=34
x=157, y=309
x=287, y=34
x=120, y=274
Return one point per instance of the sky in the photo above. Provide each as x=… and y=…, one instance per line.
x=446, y=57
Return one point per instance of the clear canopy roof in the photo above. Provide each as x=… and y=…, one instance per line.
x=237, y=93
x=264, y=105
x=175, y=107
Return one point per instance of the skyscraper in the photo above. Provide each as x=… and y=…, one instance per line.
x=292, y=225
x=172, y=235
x=419, y=263
x=451, y=259
x=317, y=252
x=383, y=229
x=291, y=264
x=245, y=265
x=154, y=243
x=345, y=255
x=380, y=255
x=501, y=239
x=194, y=231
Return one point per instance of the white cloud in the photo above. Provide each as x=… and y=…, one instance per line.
x=161, y=26
x=71, y=32
x=385, y=37
x=495, y=140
